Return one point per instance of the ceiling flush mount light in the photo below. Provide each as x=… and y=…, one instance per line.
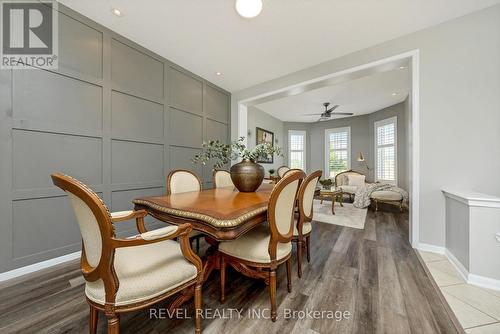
x=394, y=94
x=218, y=73
x=402, y=67
x=117, y=12
x=249, y=8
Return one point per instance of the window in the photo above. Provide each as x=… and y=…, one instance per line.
x=386, y=150
x=337, y=151
x=297, y=149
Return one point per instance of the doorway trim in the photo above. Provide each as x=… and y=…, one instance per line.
x=413, y=57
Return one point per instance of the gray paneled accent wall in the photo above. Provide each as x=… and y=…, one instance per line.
x=114, y=115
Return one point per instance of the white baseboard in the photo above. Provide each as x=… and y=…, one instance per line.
x=38, y=266
x=484, y=282
x=431, y=248
x=458, y=265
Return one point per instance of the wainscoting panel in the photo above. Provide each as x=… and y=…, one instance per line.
x=103, y=117
x=80, y=47
x=133, y=162
x=180, y=158
x=186, y=129
x=136, y=71
x=49, y=101
x=43, y=224
x=36, y=155
x=216, y=104
x=186, y=92
x=137, y=119
x=217, y=131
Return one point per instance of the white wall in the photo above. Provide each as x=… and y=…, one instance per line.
x=459, y=107
x=258, y=118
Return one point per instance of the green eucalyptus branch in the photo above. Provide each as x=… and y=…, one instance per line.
x=221, y=154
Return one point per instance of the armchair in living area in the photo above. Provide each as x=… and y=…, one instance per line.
x=124, y=275
x=349, y=181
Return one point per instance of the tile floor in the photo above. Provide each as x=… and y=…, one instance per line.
x=477, y=309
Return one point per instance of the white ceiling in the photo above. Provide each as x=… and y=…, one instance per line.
x=361, y=96
x=208, y=36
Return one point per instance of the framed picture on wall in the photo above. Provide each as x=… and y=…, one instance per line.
x=264, y=136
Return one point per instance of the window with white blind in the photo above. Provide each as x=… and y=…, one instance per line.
x=386, y=147
x=337, y=151
x=297, y=149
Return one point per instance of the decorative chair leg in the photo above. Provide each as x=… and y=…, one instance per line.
x=289, y=274
x=197, y=308
x=308, y=247
x=222, y=279
x=113, y=324
x=93, y=317
x=300, y=247
x=401, y=206
x=272, y=293
x=376, y=205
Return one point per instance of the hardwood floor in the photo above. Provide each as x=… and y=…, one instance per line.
x=373, y=274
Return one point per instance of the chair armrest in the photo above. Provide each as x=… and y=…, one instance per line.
x=181, y=232
x=138, y=215
x=159, y=233
x=122, y=216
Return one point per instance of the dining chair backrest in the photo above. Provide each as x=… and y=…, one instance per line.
x=282, y=170
x=281, y=209
x=222, y=178
x=293, y=170
x=181, y=181
x=306, y=195
x=92, y=215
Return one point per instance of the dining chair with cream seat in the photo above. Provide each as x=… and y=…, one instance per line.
x=282, y=170
x=181, y=181
x=124, y=275
x=303, y=228
x=222, y=178
x=260, y=251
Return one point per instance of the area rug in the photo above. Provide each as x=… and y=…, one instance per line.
x=347, y=215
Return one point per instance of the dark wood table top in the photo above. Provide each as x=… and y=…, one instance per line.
x=222, y=212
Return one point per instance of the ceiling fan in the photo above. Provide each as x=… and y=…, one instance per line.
x=327, y=114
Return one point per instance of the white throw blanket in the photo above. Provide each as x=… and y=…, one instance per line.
x=363, y=193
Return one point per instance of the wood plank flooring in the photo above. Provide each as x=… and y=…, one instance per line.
x=373, y=274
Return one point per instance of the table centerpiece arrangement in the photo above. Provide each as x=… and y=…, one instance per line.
x=247, y=175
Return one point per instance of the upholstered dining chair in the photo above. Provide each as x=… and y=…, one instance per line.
x=282, y=170
x=260, y=251
x=181, y=181
x=125, y=275
x=222, y=178
x=303, y=228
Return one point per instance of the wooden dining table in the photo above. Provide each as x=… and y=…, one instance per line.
x=221, y=214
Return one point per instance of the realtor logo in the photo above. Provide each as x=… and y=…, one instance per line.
x=29, y=34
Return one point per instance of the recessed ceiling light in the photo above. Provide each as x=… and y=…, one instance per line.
x=402, y=67
x=394, y=94
x=218, y=73
x=117, y=12
x=249, y=8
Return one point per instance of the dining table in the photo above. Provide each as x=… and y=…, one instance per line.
x=221, y=214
